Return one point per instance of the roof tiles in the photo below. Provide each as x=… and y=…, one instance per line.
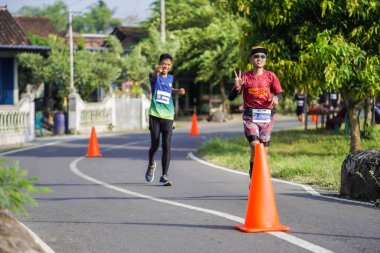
x=11, y=32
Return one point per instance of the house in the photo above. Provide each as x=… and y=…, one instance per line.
x=90, y=41
x=40, y=26
x=129, y=36
x=16, y=114
x=13, y=40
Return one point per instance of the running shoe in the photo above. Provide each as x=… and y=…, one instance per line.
x=164, y=181
x=149, y=175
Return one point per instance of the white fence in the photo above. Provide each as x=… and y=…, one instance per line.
x=132, y=113
x=116, y=114
x=17, y=122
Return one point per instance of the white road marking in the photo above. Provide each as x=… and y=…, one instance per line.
x=281, y=235
x=28, y=148
x=307, y=188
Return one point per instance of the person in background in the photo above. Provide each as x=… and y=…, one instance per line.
x=300, y=110
x=323, y=100
x=334, y=102
x=261, y=91
x=161, y=116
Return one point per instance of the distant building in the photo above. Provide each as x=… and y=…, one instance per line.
x=129, y=36
x=90, y=41
x=13, y=40
x=40, y=26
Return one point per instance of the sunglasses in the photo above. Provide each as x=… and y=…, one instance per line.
x=257, y=56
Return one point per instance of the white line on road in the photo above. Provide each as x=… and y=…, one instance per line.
x=28, y=148
x=281, y=235
x=307, y=188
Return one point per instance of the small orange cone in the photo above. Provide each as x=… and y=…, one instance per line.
x=93, y=147
x=261, y=213
x=194, y=128
x=314, y=118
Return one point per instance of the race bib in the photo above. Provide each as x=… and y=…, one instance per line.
x=261, y=115
x=163, y=97
x=300, y=102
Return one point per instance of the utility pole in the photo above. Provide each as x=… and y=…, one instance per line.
x=162, y=11
x=72, y=89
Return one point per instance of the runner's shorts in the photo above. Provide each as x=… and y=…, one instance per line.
x=261, y=130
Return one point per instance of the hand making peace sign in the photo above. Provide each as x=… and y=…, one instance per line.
x=238, y=80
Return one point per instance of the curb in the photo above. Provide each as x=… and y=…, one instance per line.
x=37, y=239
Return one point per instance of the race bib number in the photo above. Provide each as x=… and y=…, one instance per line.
x=261, y=115
x=163, y=97
x=300, y=102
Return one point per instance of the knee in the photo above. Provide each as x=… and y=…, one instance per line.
x=154, y=146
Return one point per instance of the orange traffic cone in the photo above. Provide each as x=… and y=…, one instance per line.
x=261, y=213
x=194, y=128
x=314, y=118
x=93, y=147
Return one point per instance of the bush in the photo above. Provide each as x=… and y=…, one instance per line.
x=16, y=189
x=368, y=132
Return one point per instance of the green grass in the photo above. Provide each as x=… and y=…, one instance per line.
x=310, y=157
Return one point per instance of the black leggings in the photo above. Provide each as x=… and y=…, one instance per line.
x=157, y=126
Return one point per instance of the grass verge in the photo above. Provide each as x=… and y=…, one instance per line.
x=311, y=157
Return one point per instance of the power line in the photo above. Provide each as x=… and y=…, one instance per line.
x=75, y=3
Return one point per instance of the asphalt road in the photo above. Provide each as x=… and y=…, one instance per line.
x=105, y=205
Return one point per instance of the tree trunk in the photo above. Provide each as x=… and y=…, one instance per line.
x=223, y=96
x=367, y=111
x=355, y=132
x=352, y=116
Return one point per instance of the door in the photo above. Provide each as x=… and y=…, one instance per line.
x=6, y=80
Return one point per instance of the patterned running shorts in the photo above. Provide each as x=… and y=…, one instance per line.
x=261, y=130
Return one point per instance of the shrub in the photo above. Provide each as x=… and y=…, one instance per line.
x=368, y=132
x=16, y=188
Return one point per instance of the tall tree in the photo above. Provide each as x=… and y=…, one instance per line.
x=343, y=58
x=98, y=20
x=209, y=40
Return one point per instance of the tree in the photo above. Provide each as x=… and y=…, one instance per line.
x=345, y=56
x=98, y=20
x=97, y=69
x=137, y=66
x=344, y=66
x=212, y=52
x=92, y=69
x=208, y=41
x=144, y=56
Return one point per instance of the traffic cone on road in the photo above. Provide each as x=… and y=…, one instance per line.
x=93, y=147
x=314, y=118
x=194, y=127
x=261, y=213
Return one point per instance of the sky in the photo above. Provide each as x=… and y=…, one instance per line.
x=129, y=11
